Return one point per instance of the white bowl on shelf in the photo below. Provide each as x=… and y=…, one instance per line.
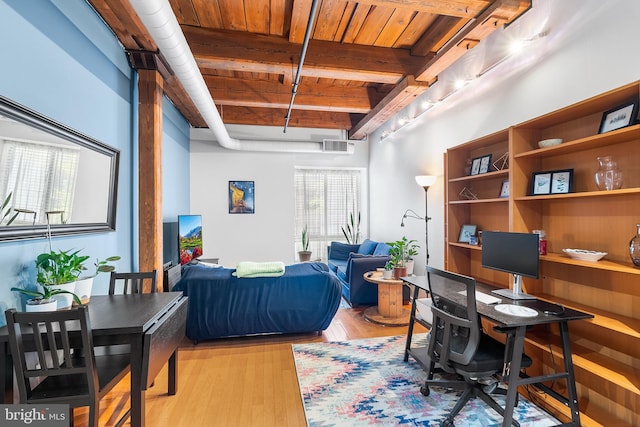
x=549, y=142
x=584, y=255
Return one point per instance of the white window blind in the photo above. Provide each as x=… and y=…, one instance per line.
x=324, y=198
x=40, y=178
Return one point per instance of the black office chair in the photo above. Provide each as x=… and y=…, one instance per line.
x=76, y=376
x=132, y=283
x=458, y=345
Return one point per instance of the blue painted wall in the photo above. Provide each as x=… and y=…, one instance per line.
x=60, y=59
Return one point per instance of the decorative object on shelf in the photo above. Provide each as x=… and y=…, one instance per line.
x=542, y=243
x=466, y=231
x=475, y=166
x=608, y=176
x=584, y=255
x=305, y=253
x=552, y=182
x=467, y=167
x=241, y=197
x=467, y=194
x=501, y=162
x=634, y=248
x=545, y=143
x=484, y=163
x=619, y=117
x=504, y=190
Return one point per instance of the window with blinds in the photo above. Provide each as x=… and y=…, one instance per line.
x=41, y=179
x=324, y=198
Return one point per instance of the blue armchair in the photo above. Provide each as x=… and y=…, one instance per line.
x=350, y=262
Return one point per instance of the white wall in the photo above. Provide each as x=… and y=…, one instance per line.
x=268, y=234
x=590, y=49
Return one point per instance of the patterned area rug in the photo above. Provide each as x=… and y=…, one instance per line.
x=367, y=383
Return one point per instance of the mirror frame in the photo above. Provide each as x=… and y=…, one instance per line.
x=36, y=120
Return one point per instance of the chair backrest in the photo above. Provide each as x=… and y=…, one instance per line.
x=456, y=325
x=52, y=336
x=132, y=283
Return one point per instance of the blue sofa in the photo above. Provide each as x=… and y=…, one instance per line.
x=350, y=262
x=304, y=299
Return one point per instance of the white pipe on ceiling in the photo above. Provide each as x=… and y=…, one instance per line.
x=159, y=19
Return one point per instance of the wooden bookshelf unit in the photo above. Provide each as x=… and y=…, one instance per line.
x=606, y=348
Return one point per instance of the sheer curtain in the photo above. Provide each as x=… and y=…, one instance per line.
x=40, y=178
x=324, y=198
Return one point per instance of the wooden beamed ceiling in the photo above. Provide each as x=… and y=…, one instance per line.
x=366, y=59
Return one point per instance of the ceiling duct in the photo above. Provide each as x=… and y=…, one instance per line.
x=161, y=23
x=339, y=146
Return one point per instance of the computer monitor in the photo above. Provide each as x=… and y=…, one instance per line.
x=515, y=253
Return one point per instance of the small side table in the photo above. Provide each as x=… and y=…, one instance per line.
x=389, y=310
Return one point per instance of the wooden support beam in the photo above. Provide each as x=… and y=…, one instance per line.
x=275, y=117
x=150, y=86
x=459, y=8
x=402, y=95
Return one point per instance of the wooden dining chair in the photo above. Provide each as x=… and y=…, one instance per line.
x=133, y=283
x=67, y=371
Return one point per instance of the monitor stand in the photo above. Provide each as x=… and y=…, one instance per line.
x=516, y=293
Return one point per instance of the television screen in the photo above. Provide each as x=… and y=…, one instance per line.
x=515, y=253
x=190, y=231
x=170, y=246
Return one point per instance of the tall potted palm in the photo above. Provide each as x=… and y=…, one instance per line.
x=305, y=253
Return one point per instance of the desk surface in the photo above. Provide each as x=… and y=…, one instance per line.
x=123, y=314
x=489, y=311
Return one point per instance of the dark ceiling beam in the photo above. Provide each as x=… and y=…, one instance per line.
x=298, y=118
x=239, y=51
x=459, y=8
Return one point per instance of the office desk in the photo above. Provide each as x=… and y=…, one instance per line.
x=128, y=319
x=516, y=326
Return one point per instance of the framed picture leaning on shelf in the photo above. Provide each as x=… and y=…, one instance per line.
x=619, y=117
x=485, y=161
x=504, y=190
x=466, y=232
x=552, y=182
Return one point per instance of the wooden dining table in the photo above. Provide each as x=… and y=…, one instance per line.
x=151, y=324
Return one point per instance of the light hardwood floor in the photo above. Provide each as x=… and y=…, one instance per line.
x=236, y=382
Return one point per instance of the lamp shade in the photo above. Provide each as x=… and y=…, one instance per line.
x=425, y=180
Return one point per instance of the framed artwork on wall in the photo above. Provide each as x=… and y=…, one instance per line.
x=241, y=197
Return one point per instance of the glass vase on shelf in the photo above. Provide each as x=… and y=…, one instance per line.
x=634, y=247
x=608, y=176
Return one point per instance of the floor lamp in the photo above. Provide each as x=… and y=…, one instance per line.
x=426, y=181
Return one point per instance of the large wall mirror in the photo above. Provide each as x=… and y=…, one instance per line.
x=52, y=177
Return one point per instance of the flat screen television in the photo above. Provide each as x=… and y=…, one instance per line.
x=190, y=232
x=170, y=245
x=515, y=253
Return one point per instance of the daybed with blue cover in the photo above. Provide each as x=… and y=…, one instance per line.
x=304, y=299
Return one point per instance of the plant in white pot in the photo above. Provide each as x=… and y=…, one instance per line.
x=400, y=252
x=84, y=284
x=305, y=253
x=59, y=270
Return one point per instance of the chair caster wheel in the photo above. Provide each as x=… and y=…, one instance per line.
x=447, y=422
x=424, y=390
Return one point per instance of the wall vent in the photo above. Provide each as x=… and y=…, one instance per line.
x=338, y=146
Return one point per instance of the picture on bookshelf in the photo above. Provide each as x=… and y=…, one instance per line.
x=541, y=183
x=504, y=190
x=552, y=182
x=619, y=117
x=485, y=161
x=466, y=232
x=475, y=166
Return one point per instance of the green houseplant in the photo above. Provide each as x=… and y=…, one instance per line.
x=352, y=232
x=84, y=284
x=401, y=252
x=305, y=253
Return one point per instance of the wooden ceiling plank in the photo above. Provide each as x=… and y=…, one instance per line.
x=484, y=25
x=328, y=20
x=357, y=20
x=280, y=13
x=257, y=16
x=414, y=30
x=442, y=29
x=275, y=117
x=299, y=20
x=185, y=11
x=460, y=8
x=248, y=52
x=233, y=16
x=263, y=93
x=345, y=20
x=375, y=22
x=398, y=22
x=399, y=97
x=208, y=14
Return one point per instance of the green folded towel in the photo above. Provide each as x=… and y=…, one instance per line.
x=259, y=269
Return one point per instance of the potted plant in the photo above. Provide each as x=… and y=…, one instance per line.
x=400, y=252
x=59, y=270
x=305, y=253
x=44, y=300
x=84, y=284
x=352, y=232
x=387, y=273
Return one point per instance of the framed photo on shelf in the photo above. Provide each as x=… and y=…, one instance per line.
x=485, y=161
x=541, y=183
x=562, y=181
x=619, y=117
x=504, y=190
x=475, y=166
x=466, y=232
